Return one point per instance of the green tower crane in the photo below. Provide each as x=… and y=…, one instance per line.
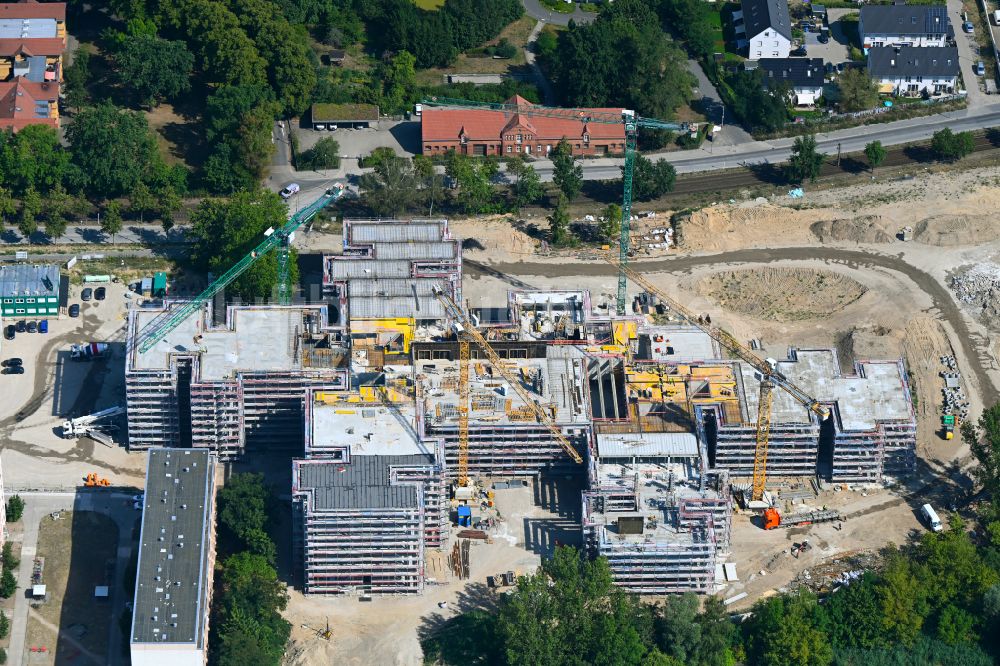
x=629, y=119
x=278, y=239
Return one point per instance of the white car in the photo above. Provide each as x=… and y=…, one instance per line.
x=138, y=498
x=137, y=506
x=290, y=189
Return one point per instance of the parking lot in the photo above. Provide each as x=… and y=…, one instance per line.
x=402, y=136
x=53, y=388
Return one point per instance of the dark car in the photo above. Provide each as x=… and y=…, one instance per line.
x=14, y=370
x=100, y=293
x=8, y=332
x=32, y=327
x=22, y=326
x=823, y=38
x=86, y=294
x=11, y=362
x=74, y=310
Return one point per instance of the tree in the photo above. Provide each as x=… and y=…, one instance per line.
x=31, y=206
x=15, y=508
x=155, y=68
x=8, y=584
x=4, y=625
x=141, y=201
x=527, y=186
x=225, y=231
x=252, y=596
x=114, y=148
x=759, y=109
x=9, y=560
x=857, y=89
x=32, y=158
x=431, y=180
x=950, y=146
x=782, y=632
x=805, y=161
x=111, y=223
x=391, y=188
x=246, y=506
x=474, y=181
x=566, y=173
x=875, y=154
x=983, y=440
x=76, y=79
x=651, y=180
x=7, y=207
x=677, y=627
x=611, y=223
x=324, y=155
x=398, y=81
x=559, y=233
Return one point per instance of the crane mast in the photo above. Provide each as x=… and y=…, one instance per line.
x=631, y=122
x=466, y=329
x=769, y=377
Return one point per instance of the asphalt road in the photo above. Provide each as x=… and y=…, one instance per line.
x=536, y=9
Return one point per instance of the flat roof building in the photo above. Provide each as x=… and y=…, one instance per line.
x=173, y=586
x=29, y=290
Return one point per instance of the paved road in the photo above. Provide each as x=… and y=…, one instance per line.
x=712, y=106
x=38, y=505
x=145, y=234
x=968, y=54
x=536, y=9
x=529, y=56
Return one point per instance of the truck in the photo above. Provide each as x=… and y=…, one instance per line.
x=89, y=351
x=930, y=515
x=773, y=519
x=948, y=424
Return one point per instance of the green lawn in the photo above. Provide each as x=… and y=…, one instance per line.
x=429, y=5
x=560, y=6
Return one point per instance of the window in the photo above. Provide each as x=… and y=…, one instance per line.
x=508, y=149
x=29, y=300
x=538, y=148
x=775, y=43
x=760, y=43
x=519, y=138
x=19, y=311
x=8, y=300
x=31, y=310
x=586, y=137
x=19, y=300
x=774, y=54
x=548, y=148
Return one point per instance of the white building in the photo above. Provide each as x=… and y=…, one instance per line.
x=803, y=77
x=903, y=25
x=766, y=29
x=914, y=70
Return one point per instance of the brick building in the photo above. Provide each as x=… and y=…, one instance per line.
x=483, y=132
x=32, y=41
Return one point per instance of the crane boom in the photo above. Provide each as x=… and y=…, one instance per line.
x=768, y=380
x=631, y=121
x=469, y=330
x=463, y=412
x=157, y=329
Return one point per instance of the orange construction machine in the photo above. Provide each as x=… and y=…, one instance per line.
x=92, y=481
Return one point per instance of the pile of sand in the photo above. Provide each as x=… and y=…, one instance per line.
x=781, y=294
x=863, y=229
x=949, y=230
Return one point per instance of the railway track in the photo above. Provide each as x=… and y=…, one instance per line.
x=850, y=164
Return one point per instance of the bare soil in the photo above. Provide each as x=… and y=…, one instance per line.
x=781, y=294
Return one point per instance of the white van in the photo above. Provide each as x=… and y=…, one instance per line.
x=290, y=189
x=930, y=515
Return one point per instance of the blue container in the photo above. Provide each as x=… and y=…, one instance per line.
x=464, y=516
x=43, y=326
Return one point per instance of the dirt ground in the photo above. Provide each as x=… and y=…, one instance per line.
x=54, y=388
x=77, y=548
x=387, y=630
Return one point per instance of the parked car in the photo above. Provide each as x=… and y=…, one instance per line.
x=319, y=127
x=74, y=310
x=8, y=332
x=43, y=326
x=138, y=498
x=11, y=362
x=86, y=294
x=32, y=327
x=980, y=68
x=823, y=38
x=968, y=27
x=332, y=128
x=931, y=518
x=800, y=52
x=100, y=293
x=22, y=326
x=14, y=370
x=290, y=189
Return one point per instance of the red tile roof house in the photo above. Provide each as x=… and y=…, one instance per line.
x=24, y=102
x=483, y=132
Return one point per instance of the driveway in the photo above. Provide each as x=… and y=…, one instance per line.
x=537, y=10
x=968, y=54
x=710, y=103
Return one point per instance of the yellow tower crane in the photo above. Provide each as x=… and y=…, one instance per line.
x=466, y=331
x=770, y=377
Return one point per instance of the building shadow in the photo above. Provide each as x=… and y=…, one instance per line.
x=86, y=553
x=557, y=494
x=407, y=135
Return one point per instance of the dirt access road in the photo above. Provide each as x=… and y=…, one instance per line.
x=942, y=299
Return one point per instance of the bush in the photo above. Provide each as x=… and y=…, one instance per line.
x=950, y=146
x=8, y=584
x=324, y=155
x=9, y=561
x=377, y=157
x=15, y=509
x=4, y=625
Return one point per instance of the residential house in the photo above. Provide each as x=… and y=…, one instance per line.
x=486, y=132
x=914, y=70
x=903, y=25
x=24, y=102
x=803, y=76
x=766, y=29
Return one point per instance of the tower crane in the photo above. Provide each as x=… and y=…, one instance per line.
x=632, y=123
x=770, y=377
x=278, y=239
x=466, y=330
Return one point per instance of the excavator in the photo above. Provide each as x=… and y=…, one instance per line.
x=93, y=481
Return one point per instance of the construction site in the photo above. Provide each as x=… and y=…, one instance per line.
x=406, y=411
